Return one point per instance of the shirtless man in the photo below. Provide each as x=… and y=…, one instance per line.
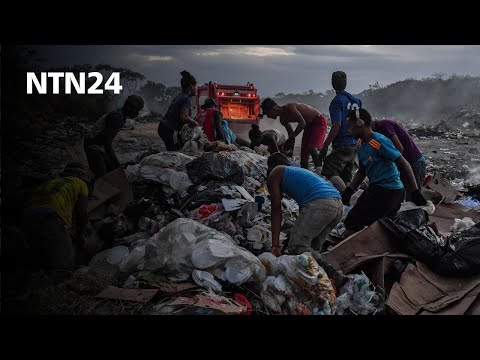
x=309, y=119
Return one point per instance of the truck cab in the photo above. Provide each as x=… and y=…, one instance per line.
x=238, y=103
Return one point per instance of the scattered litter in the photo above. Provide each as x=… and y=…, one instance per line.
x=461, y=224
x=232, y=204
x=408, y=205
x=358, y=297
x=469, y=202
x=206, y=280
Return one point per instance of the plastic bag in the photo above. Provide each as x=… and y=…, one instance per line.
x=229, y=134
x=206, y=280
x=460, y=225
x=310, y=291
x=185, y=245
x=358, y=297
x=252, y=164
x=456, y=255
x=134, y=261
x=416, y=238
x=463, y=256
x=214, y=167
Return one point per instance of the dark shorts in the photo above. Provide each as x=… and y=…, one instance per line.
x=375, y=203
x=340, y=162
x=314, y=135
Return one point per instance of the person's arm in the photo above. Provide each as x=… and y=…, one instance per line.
x=336, y=112
x=350, y=190
x=217, y=120
x=407, y=172
x=334, y=130
x=290, y=142
x=397, y=143
x=273, y=183
x=295, y=116
x=388, y=151
x=358, y=178
x=288, y=127
x=185, y=117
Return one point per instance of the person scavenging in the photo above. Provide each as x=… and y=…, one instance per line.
x=179, y=113
x=382, y=163
x=272, y=138
x=309, y=120
x=98, y=148
x=320, y=210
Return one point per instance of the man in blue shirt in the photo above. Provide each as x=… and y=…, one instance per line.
x=340, y=162
x=320, y=210
x=380, y=161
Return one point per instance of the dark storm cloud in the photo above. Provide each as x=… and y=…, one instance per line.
x=287, y=68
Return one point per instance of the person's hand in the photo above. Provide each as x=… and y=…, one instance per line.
x=346, y=195
x=276, y=250
x=323, y=153
x=418, y=198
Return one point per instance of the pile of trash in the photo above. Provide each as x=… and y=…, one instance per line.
x=197, y=240
x=463, y=123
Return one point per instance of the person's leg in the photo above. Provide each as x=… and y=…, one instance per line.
x=374, y=203
x=110, y=163
x=304, y=153
x=318, y=130
x=96, y=162
x=313, y=218
x=335, y=211
x=333, y=165
x=166, y=135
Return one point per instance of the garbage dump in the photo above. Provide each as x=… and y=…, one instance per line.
x=197, y=240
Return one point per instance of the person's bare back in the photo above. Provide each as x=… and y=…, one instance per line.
x=289, y=113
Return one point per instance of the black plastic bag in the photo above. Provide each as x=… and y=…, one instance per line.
x=212, y=166
x=417, y=239
x=458, y=255
x=463, y=256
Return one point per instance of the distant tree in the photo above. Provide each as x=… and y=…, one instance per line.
x=129, y=78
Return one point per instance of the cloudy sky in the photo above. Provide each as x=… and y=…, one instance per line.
x=272, y=68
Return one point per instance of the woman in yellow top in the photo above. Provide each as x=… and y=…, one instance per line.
x=57, y=209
